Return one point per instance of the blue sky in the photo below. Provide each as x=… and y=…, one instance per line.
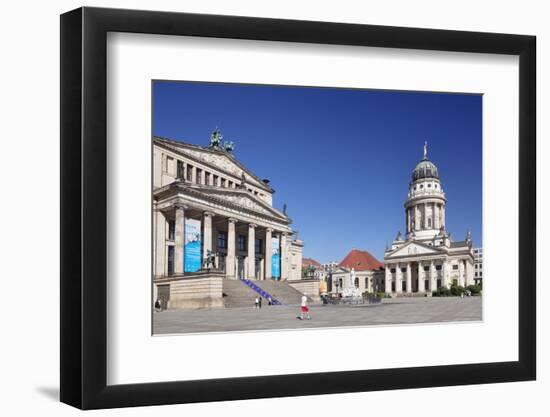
x=341, y=159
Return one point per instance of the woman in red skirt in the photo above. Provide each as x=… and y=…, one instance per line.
x=304, y=308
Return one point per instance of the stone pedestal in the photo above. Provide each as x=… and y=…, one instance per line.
x=308, y=286
x=202, y=289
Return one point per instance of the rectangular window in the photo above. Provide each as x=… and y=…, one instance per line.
x=189, y=173
x=223, y=182
x=180, y=170
x=258, y=245
x=241, y=243
x=207, y=178
x=438, y=267
x=426, y=268
x=222, y=240
x=198, y=178
x=170, y=260
x=403, y=269
x=392, y=270
x=455, y=267
x=171, y=229
x=229, y=184
x=216, y=180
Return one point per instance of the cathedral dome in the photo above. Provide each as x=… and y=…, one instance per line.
x=425, y=169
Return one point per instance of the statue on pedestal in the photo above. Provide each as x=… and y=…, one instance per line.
x=209, y=260
x=349, y=288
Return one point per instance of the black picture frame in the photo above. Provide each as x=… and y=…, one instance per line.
x=84, y=207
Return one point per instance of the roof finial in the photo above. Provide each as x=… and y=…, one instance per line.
x=425, y=150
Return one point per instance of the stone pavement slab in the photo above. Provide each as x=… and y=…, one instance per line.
x=390, y=311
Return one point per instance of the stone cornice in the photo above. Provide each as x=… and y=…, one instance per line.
x=428, y=198
x=175, y=188
x=172, y=145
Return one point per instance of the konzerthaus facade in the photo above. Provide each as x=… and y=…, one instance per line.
x=426, y=258
x=206, y=202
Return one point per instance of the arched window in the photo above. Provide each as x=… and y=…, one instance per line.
x=356, y=282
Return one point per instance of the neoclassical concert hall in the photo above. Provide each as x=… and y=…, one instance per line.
x=207, y=205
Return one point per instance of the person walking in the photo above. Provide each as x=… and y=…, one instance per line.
x=260, y=303
x=257, y=302
x=304, y=308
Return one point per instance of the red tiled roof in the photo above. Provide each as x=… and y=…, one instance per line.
x=361, y=260
x=310, y=261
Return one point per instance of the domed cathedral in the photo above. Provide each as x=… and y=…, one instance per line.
x=426, y=257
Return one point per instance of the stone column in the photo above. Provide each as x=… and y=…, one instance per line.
x=387, y=282
x=398, y=279
x=461, y=273
x=230, y=259
x=425, y=222
x=436, y=216
x=469, y=273
x=284, y=272
x=433, y=277
x=446, y=278
x=421, y=278
x=409, y=278
x=160, y=243
x=207, y=232
x=443, y=215
x=179, y=239
x=268, y=250
x=251, y=251
x=417, y=219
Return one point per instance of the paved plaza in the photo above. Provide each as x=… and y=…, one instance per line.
x=389, y=311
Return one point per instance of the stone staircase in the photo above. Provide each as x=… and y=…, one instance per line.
x=413, y=295
x=253, y=285
x=282, y=291
x=237, y=293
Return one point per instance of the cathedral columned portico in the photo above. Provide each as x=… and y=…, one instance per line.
x=426, y=258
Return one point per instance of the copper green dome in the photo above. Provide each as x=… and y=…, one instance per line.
x=425, y=169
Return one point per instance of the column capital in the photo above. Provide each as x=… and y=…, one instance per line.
x=208, y=213
x=180, y=206
x=232, y=220
x=269, y=229
x=253, y=225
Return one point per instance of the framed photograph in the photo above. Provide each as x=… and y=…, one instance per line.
x=260, y=208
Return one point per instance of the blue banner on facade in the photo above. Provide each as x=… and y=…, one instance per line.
x=192, y=259
x=275, y=258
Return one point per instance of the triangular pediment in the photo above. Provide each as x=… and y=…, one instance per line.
x=217, y=159
x=242, y=199
x=413, y=248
